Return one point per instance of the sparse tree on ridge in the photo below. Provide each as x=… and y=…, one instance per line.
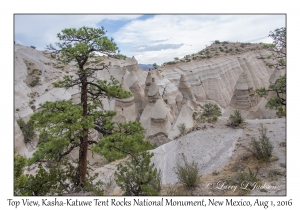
x=155, y=66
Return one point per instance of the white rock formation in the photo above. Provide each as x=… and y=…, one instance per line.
x=229, y=81
x=125, y=107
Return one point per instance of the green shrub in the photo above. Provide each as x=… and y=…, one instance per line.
x=215, y=118
x=266, y=46
x=246, y=180
x=235, y=119
x=139, y=177
x=188, y=174
x=263, y=148
x=210, y=110
x=27, y=130
x=20, y=180
x=195, y=114
x=202, y=119
x=182, y=128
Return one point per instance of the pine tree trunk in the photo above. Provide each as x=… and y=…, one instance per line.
x=82, y=164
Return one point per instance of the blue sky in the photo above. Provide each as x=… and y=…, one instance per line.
x=152, y=38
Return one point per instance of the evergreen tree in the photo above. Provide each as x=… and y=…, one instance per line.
x=64, y=126
x=126, y=139
x=277, y=100
x=139, y=176
x=155, y=66
x=136, y=176
x=20, y=180
x=210, y=110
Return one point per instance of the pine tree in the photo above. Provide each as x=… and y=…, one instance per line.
x=64, y=126
x=139, y=177
x=20, y=180
x=276, y=101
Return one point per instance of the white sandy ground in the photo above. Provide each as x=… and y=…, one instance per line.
x=213, y=149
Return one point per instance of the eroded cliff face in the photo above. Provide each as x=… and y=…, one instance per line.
x=219, y=78
x=35, y=72
x=162, y=98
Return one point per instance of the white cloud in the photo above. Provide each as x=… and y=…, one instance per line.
x=42, y=29
x=195, y=31
x=157, y=39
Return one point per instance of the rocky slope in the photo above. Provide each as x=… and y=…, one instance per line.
x=163, y=99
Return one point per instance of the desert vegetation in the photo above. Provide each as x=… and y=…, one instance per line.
x=209, y=112
x=276, y=101
x=262, y=149
x=139, y=176
x=235, y=119
x=33, y=74
x=81, y=127
x=188, y=173
x=182, y=129
x=27, y=130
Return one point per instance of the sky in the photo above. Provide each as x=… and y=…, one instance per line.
x=152, y=38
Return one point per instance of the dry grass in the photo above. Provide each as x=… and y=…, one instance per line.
x=229, y=176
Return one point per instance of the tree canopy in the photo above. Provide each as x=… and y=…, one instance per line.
x=64, y=126
x=276, y=92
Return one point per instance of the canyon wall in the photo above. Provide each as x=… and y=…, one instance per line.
x=162, y=98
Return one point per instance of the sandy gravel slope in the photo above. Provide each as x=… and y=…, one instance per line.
x=216, y=146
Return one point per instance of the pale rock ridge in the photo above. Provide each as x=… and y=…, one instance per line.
x=125, y=107
x=243, y=96
x=159, y=112
x=160, y=120
x=185, y=88
x=137, y=91
x=131, y=78
x=156, y=117
x=229, y=81
x=148, y=83
x=153, y=93
x=216, y=80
